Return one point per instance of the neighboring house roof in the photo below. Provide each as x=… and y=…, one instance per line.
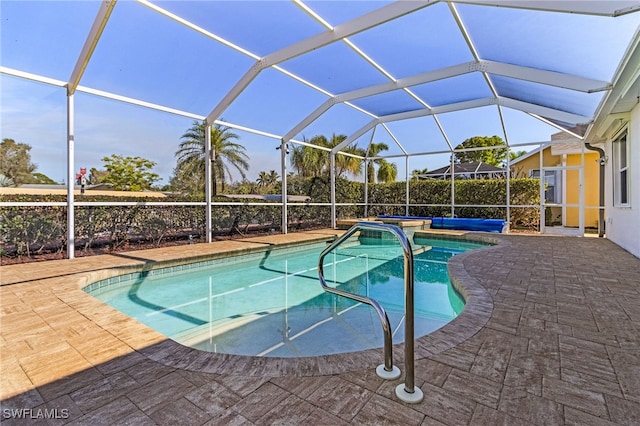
x=464, y=170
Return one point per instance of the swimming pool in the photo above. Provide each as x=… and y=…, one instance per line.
x=271, y=303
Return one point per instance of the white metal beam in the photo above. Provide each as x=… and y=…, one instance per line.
x=359, y=24
x=602, y=8
x=137, y=102
x=417, y=154
x=551, y=78
x=471, y=46
x=225, y=42
x=543, y=111
x=503, y=124
x=438, y=110
x=71, y=177
x=313, y=14
x=284, y=227
x=33, y=77
x=209, y=156
x=463, y=31
x=310, y=118
x=197, y=28
x=394, y=138
x=477, y=103
x=144, y=104
x=382, y=88
x=355, y=26
x=415, y=80
x=96, y=92
x=349, y=140
x=235, y=91
x=552, y=124
x=454, y=150
x=106, y=7
x=479, y=148
x=444, y=134
x=367, y=58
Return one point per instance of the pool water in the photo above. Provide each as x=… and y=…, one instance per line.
x=272, y=304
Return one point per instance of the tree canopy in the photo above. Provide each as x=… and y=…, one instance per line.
x=189, y=173
x=267, y=180
x=129, y=173
x=308, y=161
x=387, y=172
x=384, y=167
x=494, y=157
x=15, y=162
x=313, y=162
x=42, y=178
x=415, y=173
x=96, y=176
x=515, y=154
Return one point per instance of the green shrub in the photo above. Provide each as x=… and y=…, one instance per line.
x=28, y=230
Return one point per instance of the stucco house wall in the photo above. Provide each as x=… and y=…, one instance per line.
x=623, y=223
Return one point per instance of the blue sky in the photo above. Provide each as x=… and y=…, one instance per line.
x=147, y=56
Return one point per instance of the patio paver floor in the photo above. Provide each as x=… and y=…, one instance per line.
x=552, y=337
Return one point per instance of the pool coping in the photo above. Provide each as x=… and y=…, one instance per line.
x=159, y=348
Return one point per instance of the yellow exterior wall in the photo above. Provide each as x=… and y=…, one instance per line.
x=571, y=189
x=524, y=167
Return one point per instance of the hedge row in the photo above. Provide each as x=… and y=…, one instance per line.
x=391, y=198
x=25, y=231
x=31, y=230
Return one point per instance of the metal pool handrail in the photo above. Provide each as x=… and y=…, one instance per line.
x=406, y=392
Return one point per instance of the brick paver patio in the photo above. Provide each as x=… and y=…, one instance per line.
x=550, y=335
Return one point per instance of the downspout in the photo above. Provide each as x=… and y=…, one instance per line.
x=602, y=161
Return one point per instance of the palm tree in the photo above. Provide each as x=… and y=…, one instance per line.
x=387, y=172
x=349, y=164
x=313, y=162
x=417, y=172
x=267, y=179
x=373, y=151
x=272, y=177
x=262, y=179
x=226, y=153
x=307, y=161
x=515, y=154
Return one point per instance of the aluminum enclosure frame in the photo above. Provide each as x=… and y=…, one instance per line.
x=341, y=33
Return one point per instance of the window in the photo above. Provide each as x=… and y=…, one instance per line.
x=620, y=170
x=553, y=183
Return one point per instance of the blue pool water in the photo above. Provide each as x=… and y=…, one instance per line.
x=272, y=304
